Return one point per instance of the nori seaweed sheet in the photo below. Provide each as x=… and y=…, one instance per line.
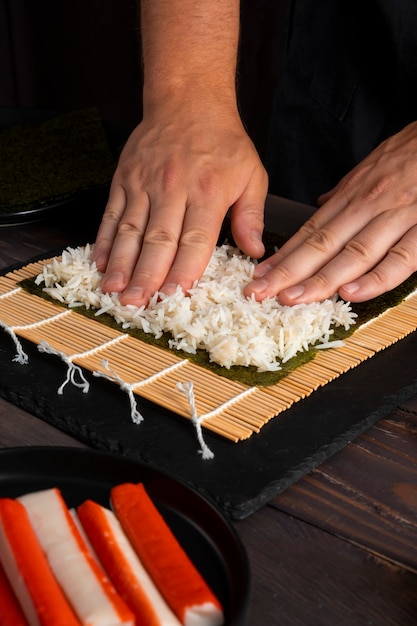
x=52, y=161
x=249, y=375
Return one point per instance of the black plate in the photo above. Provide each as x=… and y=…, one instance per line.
x=205, y=534
x=95, y=196
x=241, y=477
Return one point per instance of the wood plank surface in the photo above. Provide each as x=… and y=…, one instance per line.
x=368, y=493
x=335, y=549
x=18, y=427
x=301, y=574
x=304, y=576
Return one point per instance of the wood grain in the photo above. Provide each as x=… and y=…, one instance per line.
x=338, y=547
x=301, y=575
x=306, y=577
x=367, y=495
x=17, y=428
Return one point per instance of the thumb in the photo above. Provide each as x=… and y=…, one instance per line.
x=247, y=219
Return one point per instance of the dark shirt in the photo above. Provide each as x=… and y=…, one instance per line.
x=349, y=81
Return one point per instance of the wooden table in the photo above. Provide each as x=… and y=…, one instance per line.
x=337, y=548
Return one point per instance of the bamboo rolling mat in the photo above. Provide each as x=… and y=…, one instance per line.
x=230, y=409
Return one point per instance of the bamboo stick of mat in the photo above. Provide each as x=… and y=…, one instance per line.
x=230, y=409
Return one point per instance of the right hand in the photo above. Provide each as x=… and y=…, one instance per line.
x=177, y=176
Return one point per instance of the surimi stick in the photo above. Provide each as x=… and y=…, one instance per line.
x=90, y=592
x=123, y=566
x=178, y=580
x=27, y=569
x=10, y=612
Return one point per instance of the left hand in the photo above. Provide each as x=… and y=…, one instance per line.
x=362, y=241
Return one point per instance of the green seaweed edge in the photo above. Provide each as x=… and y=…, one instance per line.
x=53, y=161
x=249, y=375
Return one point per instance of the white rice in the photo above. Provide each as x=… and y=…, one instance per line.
x=214, y=315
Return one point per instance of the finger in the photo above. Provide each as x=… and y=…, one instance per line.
x=358, y=257
x=315, y=231
x=397, y=266
x=158, y=250
x=127, y=243
x=247, y=217
x=199, y=236
x=343, y=201
x=287, y=269
x=108, y=228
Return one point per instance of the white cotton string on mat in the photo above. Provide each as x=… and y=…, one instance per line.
x=129, y=388
x=114, y=377
x=72, y=371
x=188, y=390
x=21, y=356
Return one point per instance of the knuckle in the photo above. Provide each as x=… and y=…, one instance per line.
x=170, y=178
x=282, y=272
x=357, y=250
x=378, y=277
x=405, y=255
x=321, y=281
x=321, y=240
x=309, y=227
x=127, y=178
x=195, y=238
x=110, y=215
x=160, y=236
x=209, y=186
x=378, y=188
x=128, y=229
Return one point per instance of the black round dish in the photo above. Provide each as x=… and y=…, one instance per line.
x=207, y=536
x=61, y=208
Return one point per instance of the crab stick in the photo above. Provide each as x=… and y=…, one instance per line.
x=123, y=566
x=174, y=574
x=39, y=595
x=92, y=595
x=11, y=613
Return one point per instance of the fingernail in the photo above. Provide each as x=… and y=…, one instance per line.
x=116, y=277
x=351, y=287
x=100, y=261
x=260, y=270
x=294, y=292
x=113, y=282
x=168, y=289
x=257, y=241
x=258, y=286
x=134, y=295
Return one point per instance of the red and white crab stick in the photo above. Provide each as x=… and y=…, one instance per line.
x=169, y=566
x=90, y=592
x=123, y=566
x=40, y=597
x=11, y=613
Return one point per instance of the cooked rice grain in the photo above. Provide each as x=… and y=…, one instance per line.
x=214, y=316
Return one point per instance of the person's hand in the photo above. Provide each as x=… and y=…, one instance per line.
x=178, y=174
x=362, y=242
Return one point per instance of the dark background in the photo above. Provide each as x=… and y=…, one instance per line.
x=69, y=54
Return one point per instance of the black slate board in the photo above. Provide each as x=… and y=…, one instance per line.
x=243, y=476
